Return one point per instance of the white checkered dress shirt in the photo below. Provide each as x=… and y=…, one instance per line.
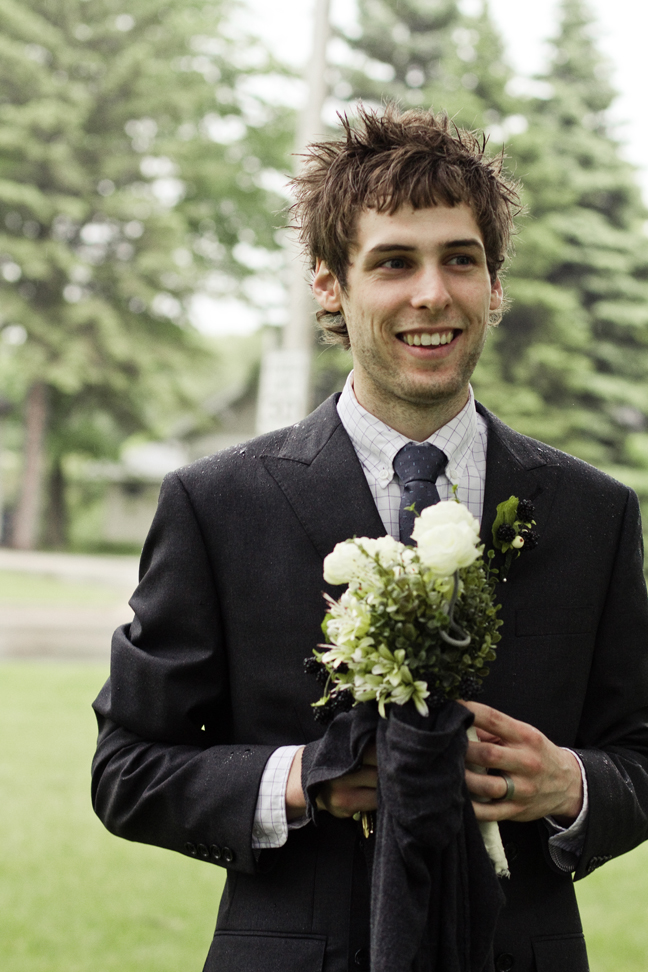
x=464, y=440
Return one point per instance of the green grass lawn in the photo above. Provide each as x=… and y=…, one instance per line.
x=75, y=899
x=20, y=587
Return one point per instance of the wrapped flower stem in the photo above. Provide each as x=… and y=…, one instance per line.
x=489, y=828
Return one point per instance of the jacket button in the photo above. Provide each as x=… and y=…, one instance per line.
x=504, y=962
x=511, y=850
x=191, y=849
x=215, y=852
x=228, y=855
x=361, y=959
x=203, y=852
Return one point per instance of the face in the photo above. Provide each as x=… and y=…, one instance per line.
x=416, y=305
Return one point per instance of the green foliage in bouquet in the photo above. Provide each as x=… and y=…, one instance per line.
x=415, y=623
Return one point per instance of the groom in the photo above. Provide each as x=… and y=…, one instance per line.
x=204, y=718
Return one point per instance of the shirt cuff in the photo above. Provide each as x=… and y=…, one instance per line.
x=270, y=828
x=566, y=843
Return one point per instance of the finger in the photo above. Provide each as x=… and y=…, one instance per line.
x=365, y=776
x=345, y=801
x=507, y=810
x=496, y=723
x=488, y=737
x=491, y=756
x=486, y=787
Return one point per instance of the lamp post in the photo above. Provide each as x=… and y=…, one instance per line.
x=284, y=384
x=6, y=409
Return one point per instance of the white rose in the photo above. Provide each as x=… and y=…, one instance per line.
x=448, y=547
x=440, y=514
x=389, y=551
x=344, y=563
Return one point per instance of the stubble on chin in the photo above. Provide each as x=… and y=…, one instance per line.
x=425, y=390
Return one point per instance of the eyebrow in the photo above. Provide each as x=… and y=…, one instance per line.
x=447, y=245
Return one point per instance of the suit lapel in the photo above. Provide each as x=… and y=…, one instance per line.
x=318, y=471
x=516, y=466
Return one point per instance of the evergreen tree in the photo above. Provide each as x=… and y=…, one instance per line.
x=568, y=364
x=422, y=54
x=134, y=151
x=428, y=54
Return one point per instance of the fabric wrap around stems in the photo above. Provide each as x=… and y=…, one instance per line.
x=435, y=898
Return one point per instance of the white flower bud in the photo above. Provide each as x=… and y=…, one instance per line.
x=445, y=549
x=442, y=514
x=343, y=564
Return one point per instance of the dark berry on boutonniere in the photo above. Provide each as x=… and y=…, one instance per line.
x=525, y=511
x=530, y=538
x=512, y=531
x=506, y=533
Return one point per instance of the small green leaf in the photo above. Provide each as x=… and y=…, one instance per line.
x=506, y=513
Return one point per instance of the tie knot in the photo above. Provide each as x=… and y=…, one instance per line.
x=419, y=463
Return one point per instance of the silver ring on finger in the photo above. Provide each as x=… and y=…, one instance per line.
x=510, y=789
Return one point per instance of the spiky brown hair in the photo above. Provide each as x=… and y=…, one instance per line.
x=384, y=160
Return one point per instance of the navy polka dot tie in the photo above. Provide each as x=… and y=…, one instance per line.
x=417, y=467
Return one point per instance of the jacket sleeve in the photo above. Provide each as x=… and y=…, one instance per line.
x=613, y=736
x=165, y=771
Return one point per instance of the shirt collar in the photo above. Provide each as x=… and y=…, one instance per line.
x=376, y=443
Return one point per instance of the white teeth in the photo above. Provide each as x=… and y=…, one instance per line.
x=428, y=340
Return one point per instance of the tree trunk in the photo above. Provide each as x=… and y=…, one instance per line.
x=56, y=520
x=27, y=515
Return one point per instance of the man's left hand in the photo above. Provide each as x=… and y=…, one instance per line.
x=547, y=779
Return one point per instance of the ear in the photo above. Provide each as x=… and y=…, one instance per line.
x=326, y=289
x=497, y=295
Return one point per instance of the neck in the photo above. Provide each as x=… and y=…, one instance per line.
x=416, y=421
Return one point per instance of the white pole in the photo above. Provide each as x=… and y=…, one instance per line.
x=285, y=372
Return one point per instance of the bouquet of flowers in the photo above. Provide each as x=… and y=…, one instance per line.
x=415, y=624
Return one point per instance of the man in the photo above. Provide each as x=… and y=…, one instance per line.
x=204, y=719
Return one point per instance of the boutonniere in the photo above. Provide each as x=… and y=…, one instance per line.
x=513, y=531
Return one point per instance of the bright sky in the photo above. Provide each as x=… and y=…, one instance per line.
x=622, y=31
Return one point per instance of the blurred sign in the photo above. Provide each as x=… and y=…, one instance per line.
x=283, y=388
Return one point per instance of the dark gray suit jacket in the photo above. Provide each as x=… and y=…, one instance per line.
x=208, y=680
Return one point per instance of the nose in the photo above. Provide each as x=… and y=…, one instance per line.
x=430, y=291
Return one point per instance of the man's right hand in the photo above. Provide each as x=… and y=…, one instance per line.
x=342, y=797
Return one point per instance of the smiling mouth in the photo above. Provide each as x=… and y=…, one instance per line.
x=427, y=340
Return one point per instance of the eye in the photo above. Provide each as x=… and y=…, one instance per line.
x=461, y=260
x=394, y=263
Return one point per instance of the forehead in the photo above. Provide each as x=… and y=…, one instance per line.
x=432, y=227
